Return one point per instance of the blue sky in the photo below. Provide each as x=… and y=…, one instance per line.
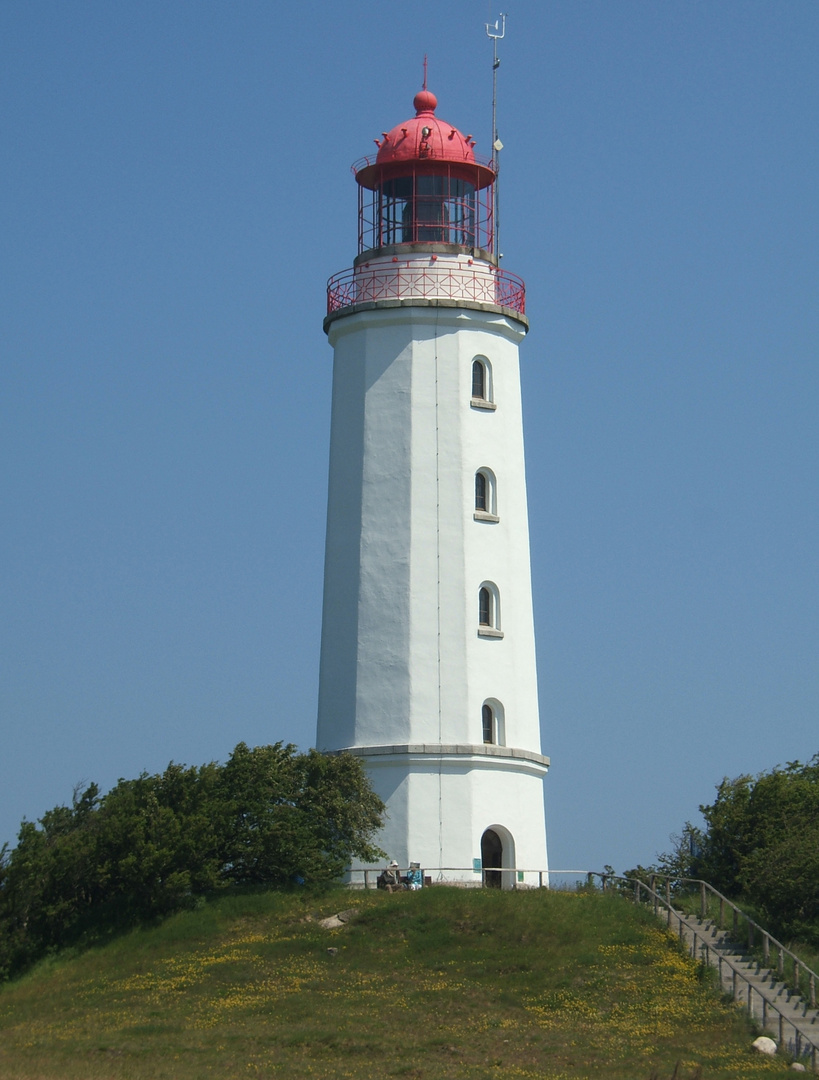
x=174, y=192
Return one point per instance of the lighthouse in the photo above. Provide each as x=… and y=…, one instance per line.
x=428, y=649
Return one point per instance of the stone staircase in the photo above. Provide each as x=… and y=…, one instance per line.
x=777, y=1008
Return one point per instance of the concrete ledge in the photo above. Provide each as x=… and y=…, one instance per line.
x=488, y=750
x=411, y=301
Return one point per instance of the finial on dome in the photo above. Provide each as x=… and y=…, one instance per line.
x=424, y=102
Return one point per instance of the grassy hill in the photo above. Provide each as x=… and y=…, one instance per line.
x=443, y=983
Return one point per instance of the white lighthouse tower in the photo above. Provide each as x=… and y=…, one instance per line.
x=427, y=650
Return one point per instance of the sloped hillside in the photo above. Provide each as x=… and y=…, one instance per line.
x=442, y=983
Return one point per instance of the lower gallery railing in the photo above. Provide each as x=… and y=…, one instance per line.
x=487, y=285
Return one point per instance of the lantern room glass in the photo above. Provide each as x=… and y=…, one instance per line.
x=425, y=209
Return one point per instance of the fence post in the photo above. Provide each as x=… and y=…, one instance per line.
x=703, y=901
x=750, y=934
x=764, y=1011
x=721, y=912
x=540, y=879
x=734, y=911
x=796, y=975
x=366, y=880
x=734, y=985
x=766, y=949
x=781, y=1032
x=812, y=988
x=780, y=963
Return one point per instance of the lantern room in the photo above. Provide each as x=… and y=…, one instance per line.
x=425, y=185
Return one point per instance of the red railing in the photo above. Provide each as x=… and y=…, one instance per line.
x=485, y=285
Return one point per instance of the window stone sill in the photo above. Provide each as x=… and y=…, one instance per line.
x=489, y=631
x=484, y=515
x=482, y=403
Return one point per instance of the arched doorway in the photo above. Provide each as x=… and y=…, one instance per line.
x=492, y=859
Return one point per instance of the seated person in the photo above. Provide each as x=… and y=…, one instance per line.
x=390, y=879
x=414, y=880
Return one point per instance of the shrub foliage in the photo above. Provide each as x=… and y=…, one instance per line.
x=269, y=816
x=761, y=842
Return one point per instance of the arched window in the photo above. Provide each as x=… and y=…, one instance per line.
x=486, y=508
x=481, y=384
x=492, y=723
x=489, y=611
x=488, y=718
x=485, y=607
x=478, y=380
x=480, y=491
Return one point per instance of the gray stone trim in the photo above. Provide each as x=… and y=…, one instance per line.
x=411, y=301
x=511, y=753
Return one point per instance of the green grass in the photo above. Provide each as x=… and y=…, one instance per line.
x=443, y=983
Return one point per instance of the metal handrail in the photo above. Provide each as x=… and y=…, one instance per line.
x=487, y=284
x=799, y=1037
x=767, y=939
x=433, y=875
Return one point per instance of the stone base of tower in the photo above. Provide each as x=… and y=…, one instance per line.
x=467, y=814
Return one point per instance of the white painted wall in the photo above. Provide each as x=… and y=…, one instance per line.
x=402, y=663
x=440, y=804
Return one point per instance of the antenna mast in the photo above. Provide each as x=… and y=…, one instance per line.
x=495, y=34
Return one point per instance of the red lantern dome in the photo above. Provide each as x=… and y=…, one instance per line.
x=427, y=185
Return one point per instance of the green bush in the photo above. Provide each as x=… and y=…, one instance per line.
x=153, y=845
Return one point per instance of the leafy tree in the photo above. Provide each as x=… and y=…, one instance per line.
x=150, y=846
x=48, y=879
x=729, y=835
x=296, y=815
x=158, y=843
x=762, y=841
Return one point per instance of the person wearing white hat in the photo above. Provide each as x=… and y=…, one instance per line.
x=390, y=879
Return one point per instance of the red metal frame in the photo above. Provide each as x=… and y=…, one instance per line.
x=463, y=219
x=486, y=285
